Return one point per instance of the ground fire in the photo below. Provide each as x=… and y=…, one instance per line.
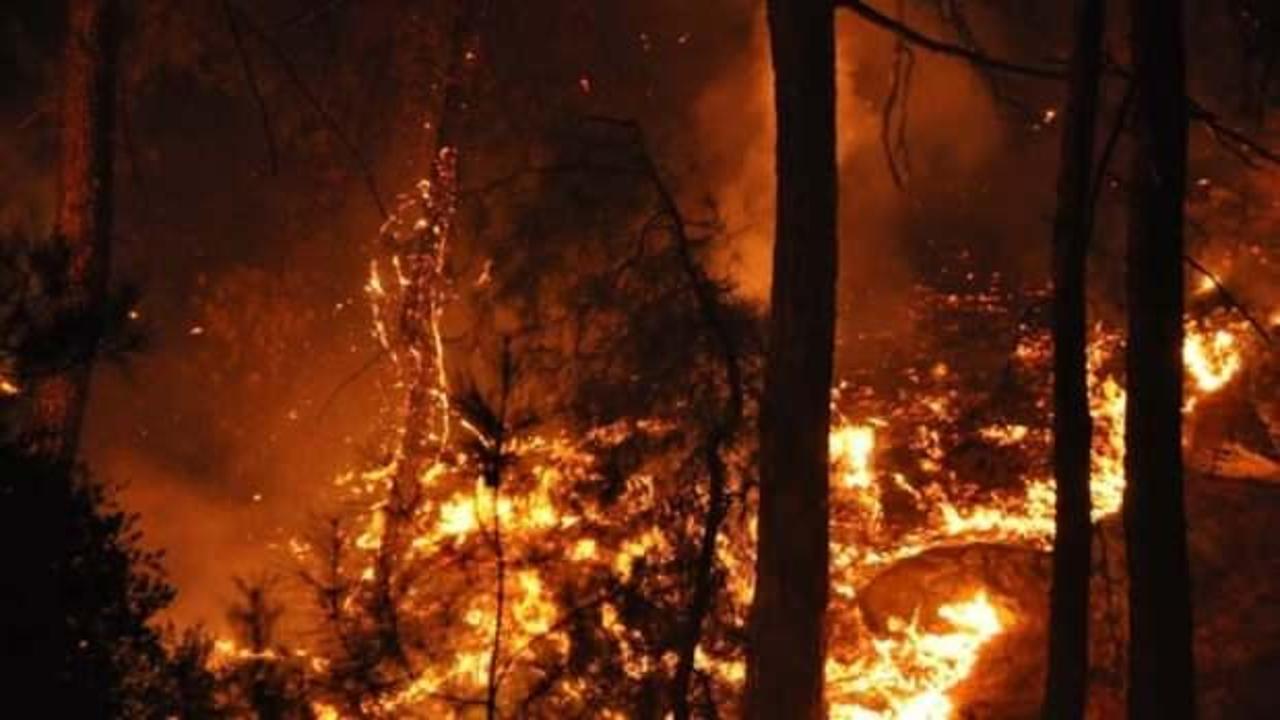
x=762, y=359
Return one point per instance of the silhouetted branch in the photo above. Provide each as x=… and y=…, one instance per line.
x=1229, y=298
x=894, y=136
x=291, y=72
x=1235, y=140
x=721, y=432
x=1113, y=140
x=911, y=35
x=347, y=381
x=1238, y=142
x=251, y=78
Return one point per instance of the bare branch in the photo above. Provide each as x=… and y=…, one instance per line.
x=1240, y=143
x=1229, y=298
x=335, y=129
x=251, y=77
x=1113, y=139
x=911, y=35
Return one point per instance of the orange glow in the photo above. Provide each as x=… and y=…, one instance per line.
x=908, y=675
x=1212, y=357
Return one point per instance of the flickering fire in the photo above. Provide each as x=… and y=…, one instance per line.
x=906, y=673
x=910, y=672
x=1212, y=357
x=518, y=566
x=851, y=446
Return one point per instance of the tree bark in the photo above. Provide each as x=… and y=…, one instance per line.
x=788, y=625
x=1161, y=670
x=1066, y=685
x=84, y=216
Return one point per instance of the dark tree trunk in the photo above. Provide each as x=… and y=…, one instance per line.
x=1160, y=656
x=788, y=624
x=84, y=216
x=1072, y=428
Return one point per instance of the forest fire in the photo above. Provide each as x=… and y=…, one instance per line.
x=641, y=360
x=525, y=612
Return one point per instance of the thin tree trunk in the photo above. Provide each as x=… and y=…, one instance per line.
x=1067, y=681
x=788, y=624
x=720, y=432
x=425, y=263
x=1160, y=652
x=500, y=603
x=84, y=216
x=426, y=416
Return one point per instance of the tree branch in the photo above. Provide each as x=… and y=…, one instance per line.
x=291, y=72
x=1229, y=298
x=251, y=78
x=911, y=35
x=1235, y=140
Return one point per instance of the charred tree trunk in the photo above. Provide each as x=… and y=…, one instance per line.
x=1067, y=680
x=84, y=217
x=426, y=415
x=788, y=624
x=1160, y=653
x=426, y=257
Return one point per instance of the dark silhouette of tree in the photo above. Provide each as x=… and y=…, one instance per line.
x=493, y=424
x=191, y=689
x=1160, y=656
x=268, y=683
x=84, y=214
x=80, y=594
x=788, y=625
x=82, y=589
x=1067, y=681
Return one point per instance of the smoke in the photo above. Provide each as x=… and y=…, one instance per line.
x=262, y=383
x=958, y=190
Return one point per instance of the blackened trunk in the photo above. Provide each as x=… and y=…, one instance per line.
x=1066, y=686
x=425, y=260
x=788, y=625
x=1160, y=655
x=84, y=217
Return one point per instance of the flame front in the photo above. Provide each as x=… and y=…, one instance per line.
x=906, y=674
x=525, y=571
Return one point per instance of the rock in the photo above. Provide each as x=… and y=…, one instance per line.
x=1015, y=578
x=1235, y=558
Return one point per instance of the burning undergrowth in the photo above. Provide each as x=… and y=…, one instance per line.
x=548, y=563
x=560, y=520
